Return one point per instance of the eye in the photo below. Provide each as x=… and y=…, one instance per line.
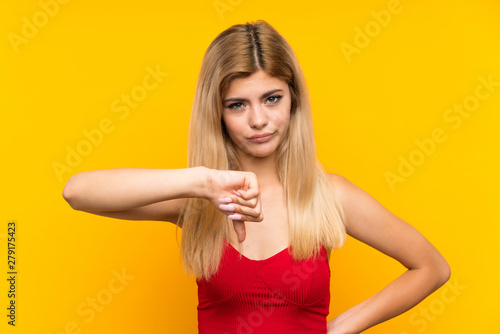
x=238, y=105
x=233, y=106
x=276, y=97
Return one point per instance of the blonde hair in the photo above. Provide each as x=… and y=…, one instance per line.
x=315, y=215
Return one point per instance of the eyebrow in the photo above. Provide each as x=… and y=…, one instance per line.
x=246, y=100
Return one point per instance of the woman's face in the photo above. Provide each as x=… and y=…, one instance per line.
x=256, y=113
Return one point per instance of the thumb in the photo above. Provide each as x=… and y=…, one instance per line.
x=239, y=227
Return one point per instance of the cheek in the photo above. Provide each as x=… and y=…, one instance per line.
x=232, y=127
x=283, y=119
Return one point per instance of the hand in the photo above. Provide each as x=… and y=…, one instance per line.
x=237, y=195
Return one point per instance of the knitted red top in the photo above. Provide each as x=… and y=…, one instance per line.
x=275, y=295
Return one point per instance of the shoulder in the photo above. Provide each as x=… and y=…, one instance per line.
x=366, y=218
x=336, y=177
x=356, y=202
x=341, y=186
x=348, y=192
x=370, y=222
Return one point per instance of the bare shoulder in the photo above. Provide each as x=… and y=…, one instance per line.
x=341, y=186
x=346, y=190
x=369, y=221
x=360, y=207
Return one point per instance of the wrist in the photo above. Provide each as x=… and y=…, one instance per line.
x=203, y=176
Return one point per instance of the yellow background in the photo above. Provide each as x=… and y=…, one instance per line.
x=369, y=109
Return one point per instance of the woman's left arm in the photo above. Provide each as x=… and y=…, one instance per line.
x=370, y=222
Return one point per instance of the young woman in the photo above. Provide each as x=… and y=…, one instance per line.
x=259, y=215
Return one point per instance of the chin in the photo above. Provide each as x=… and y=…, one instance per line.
x=262, y=154
x=262, y=151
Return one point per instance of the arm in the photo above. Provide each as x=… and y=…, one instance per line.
x=160, y=194
x=135, y=193
x=370, y=222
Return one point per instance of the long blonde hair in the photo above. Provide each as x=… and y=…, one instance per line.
x=315, y=215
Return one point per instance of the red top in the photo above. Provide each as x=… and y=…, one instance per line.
x=275, y=295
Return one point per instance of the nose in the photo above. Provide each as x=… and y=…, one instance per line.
x=258, y=117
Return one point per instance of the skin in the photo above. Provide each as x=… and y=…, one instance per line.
x=266, y=110
x=366, y=219
x=159, y=194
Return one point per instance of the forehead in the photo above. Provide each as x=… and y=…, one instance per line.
x=254, y=84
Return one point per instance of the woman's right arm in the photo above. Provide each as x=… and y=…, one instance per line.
x=159, y=194
x=135, y=193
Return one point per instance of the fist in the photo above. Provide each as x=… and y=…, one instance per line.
x=237, y=195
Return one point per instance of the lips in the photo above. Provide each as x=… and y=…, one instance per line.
x=262, y=137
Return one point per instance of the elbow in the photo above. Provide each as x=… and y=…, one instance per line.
x=69, y=193
x=435, y=271
x=445, y=272
x=441, y=272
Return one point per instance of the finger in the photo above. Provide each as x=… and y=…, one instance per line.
x=247, y=207
x=225, y=200
x=239, y=227
x=227, y=207
x=251, y=187
x=250, y=203
x=255, y=217
x=249, y=193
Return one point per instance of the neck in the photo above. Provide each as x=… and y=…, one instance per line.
x=264, y=168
